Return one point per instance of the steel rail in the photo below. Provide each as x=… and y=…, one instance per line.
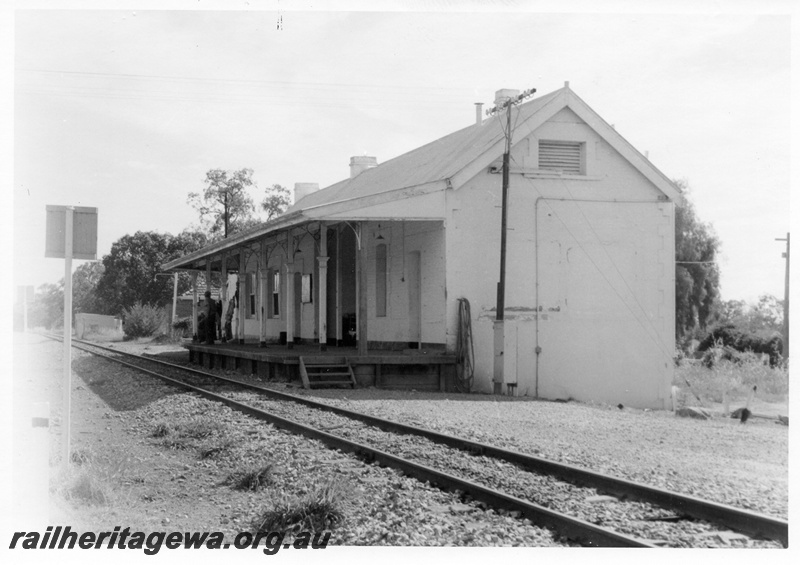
x=753, y=524
x=572, y=528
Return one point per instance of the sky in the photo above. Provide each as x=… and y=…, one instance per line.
x=126, y=109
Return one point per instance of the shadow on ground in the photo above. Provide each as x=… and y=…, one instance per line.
x=120, y=387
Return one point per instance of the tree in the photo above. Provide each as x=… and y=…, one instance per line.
x=276, y=201
x=224, y=205
x=131, y=269
x=732, y=312
x=47, y=308
x=768, y=314
x=84, y=287
x=696, y=270
x=765, y=318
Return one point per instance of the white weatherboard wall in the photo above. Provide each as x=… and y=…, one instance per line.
x=401, y=239
x=604, y=317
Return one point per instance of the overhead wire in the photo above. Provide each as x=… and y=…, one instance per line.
x=239, y=81
x=123, y=86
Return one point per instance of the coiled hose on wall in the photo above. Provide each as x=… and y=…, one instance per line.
x=465, y=352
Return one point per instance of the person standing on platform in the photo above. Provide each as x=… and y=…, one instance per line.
x=218, y=318
x=211, y=315
x=229, y=316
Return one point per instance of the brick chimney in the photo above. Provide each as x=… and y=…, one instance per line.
x=360, y=164
x=302, y=189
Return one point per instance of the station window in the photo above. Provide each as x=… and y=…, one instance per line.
x=306, y=289
x=380, y=280
x=276, y=294
x=250, y=282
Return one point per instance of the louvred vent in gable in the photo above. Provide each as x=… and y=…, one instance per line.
x=562, y=156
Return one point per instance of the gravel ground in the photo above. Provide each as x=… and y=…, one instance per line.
x=719, y=459
x=179, y=482
x=632, y=518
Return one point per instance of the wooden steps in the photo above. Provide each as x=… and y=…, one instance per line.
x=325, y=372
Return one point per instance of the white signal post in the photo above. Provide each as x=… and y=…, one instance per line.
x=65, y=419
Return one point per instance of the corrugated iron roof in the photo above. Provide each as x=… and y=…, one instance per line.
x=435, y=161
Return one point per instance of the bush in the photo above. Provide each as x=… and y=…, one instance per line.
x=143, y=320
x=730, y=337
x=713, y=356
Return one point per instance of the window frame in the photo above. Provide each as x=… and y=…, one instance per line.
x=250, y=290
x=275, y=292
x=381, y=280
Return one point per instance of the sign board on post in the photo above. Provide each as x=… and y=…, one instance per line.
x=71, y=233
x=84, y=232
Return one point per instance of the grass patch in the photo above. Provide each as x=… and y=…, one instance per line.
x=87, y=482
x=87, y=488
x=252, y=479
x=317, y=511
x=160, y=430
x=80, y=456
x=736, y=378
x=198, y=429
x=178, y=443
x=186, y=436
x=216, y=450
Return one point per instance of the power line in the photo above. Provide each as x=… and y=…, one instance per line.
x=242, y=81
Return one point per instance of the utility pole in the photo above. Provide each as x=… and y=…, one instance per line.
x=499, y=323
x=785, y=299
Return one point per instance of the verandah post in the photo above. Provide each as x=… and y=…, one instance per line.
x=322, y=287
x=361, y=269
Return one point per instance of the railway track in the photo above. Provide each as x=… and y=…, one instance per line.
x=550, y=494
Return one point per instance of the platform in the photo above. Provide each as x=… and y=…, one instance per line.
x=409, y=369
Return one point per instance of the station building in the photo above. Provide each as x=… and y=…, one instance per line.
x=379, y=263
